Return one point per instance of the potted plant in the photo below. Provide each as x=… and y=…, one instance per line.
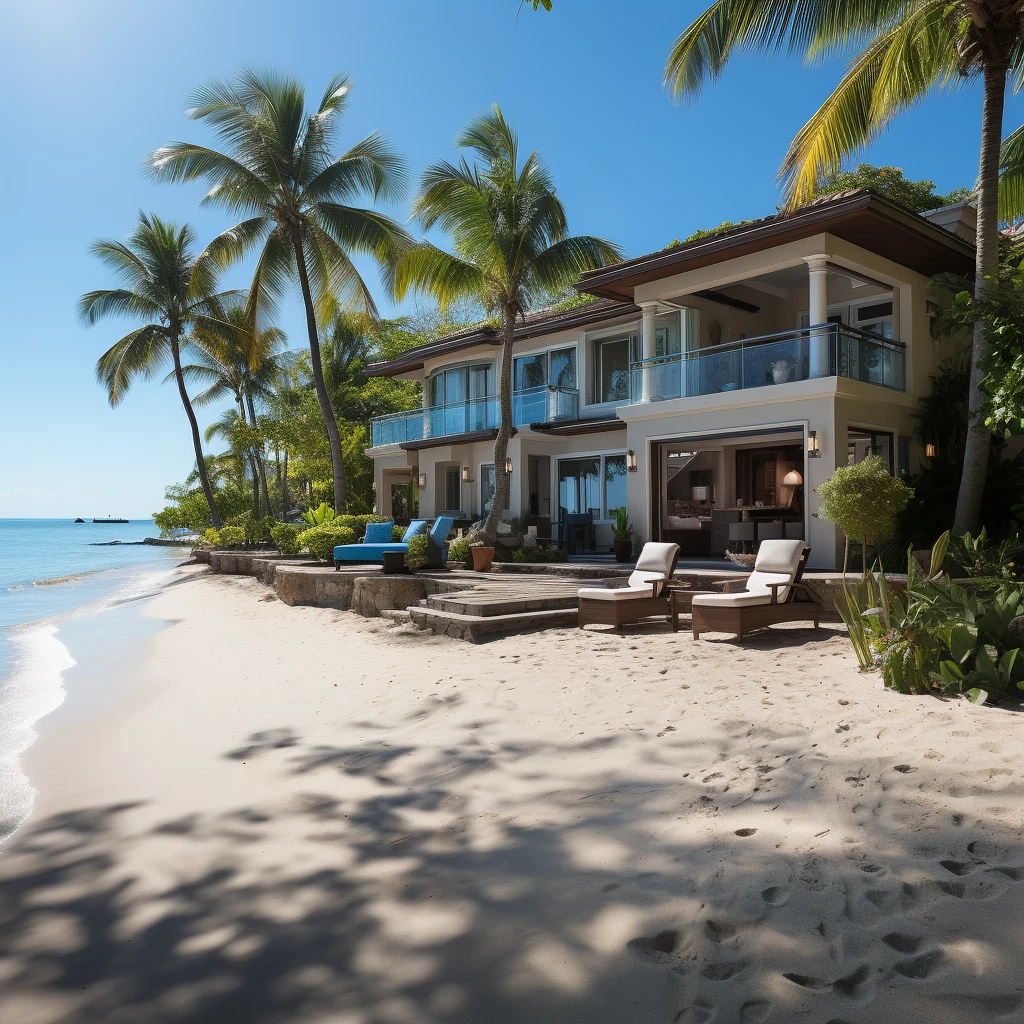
x=481, y=554
x=781, y=371
x=622, y=531
x=459, y=552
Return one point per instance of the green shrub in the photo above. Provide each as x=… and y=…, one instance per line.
x=539, y=554
x=397, y=533
x=320, y=515
x=286, y=538
x=416, y=556
x=458, y=550
x=212, y=537
x=321, y=540
x=230, y=536
x=357, y=524
x=257, y=530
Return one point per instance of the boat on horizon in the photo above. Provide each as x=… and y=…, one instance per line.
x=110, y=519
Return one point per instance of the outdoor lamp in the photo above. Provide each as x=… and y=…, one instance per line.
x=792, y=479
x=631, y=461
x=813, y=445
x=466, y=478
x=508, y=465
x=930, y=451
x=423, y=481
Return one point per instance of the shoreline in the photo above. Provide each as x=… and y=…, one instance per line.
x=296, y=814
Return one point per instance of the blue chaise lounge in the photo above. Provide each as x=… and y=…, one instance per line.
x=377, y=542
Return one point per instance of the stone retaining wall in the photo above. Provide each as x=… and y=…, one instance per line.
x=366, y=595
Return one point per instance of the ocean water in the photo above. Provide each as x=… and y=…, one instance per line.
x=52, y=570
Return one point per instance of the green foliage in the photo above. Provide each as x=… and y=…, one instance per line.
x=231, y=536
x=864, y=500
x=890, y=183
x=322, y=539
x=621, y=527
x=416, y=556
x=286, y=538
x=255, y=528
x=212, y=538
x=938, y=634
x=701, y=233
x=458, y=550
x=357, y=524
x=539, y=554
x=323, y=513
x=397, y=533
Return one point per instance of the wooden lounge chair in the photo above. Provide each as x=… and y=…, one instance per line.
x=641, y=595
x=768, y=595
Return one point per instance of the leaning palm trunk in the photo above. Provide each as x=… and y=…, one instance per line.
x=979, y=440
x=326, y=409
x=502, y=479
x=196, y=441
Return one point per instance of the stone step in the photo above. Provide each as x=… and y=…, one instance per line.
x=475, y=628
x=486, y=605
x=396, y=614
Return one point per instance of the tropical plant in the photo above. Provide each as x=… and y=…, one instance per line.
x=418, y=553
x=212, y=538
x=279, y=171
x=286, y=538
x=232, y=536
x=321, y=540
x=978, y=559
x=902, y=50
x=458, y=550
x=621, y=527
x=323, y=513
x=511, y=248
x=864, y=501
x=174, y=292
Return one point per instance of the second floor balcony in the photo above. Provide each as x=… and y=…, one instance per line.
x=533, y=405
x=825, y=350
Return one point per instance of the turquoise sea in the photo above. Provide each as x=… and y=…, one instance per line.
x=52, y=570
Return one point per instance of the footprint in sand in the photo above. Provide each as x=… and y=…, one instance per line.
x=723, y=970
x=657, y=948
x=703, y=1011
x=775, y=895
x=851, y=987
x=921, y=967
x=902, y=943
x=719, y=931
x=755, y=1012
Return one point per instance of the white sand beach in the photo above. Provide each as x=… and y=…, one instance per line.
x=298, y=815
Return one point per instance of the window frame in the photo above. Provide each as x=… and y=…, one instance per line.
x=602, y=457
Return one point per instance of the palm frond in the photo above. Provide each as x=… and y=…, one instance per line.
x=96, y=305
x=370, y=166
x=427, y=270
x=1011, y=179
x=139, y=354
x=560, y=265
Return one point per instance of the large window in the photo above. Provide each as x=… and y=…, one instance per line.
x=862, y=443
x=596, y=484
x=557, y=368
x=461, y=399
x=612, y=357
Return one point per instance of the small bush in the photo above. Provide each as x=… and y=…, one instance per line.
x=397, y=533
x=416, y=557
x=321, y=540
x=286, y=537
x=212, y=537
x=458, y=550
x=357, y=524
x=231, y=536
x=539, y=554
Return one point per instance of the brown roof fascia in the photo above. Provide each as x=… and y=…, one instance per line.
x=441, y=442
x=568, y=428
x=860, y=217
x=534, y=325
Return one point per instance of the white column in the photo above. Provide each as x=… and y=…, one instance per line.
x=649, y=310
x=817, y=267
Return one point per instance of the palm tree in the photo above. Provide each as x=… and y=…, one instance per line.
x=174, y=292
x=278, y=168
x=905, y=49
x=238, y=360
x=511, y=249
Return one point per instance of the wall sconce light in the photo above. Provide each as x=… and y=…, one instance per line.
x=930, y=451
x=466, y=478
x=373, y=486
x=508, y=466
x=813, y=445
x=422, y=481
x=793, y=478
x=631, y=461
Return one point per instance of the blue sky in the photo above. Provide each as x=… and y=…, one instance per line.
x=92, y=87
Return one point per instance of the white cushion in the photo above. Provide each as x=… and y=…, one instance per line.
x=777, y=562
x=740, y=600
x=680, y=523
x=616, y=593
x=657, y=557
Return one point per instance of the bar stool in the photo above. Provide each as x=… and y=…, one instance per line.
x=769, y=531
x=742, y=533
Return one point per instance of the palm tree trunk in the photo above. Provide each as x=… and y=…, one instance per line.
x=979, y=439
x=502, y=480
x=326, y=409
x=196, y=441
x=284, y=489
x=250, y=458
x=260, y=464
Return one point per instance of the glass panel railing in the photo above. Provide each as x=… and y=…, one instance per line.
x=533, y=405
x=823, y=351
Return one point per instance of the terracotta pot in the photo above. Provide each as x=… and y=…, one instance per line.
x=623, y=549
x=482, y=558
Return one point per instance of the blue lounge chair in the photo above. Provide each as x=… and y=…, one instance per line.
x=376, y=542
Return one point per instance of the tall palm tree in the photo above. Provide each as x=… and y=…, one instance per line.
x=904, y=49
x=278, y=169
x=511, y=248
x=238, y=360
x=174, y=293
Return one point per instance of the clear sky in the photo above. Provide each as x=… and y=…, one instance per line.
x=92, y=87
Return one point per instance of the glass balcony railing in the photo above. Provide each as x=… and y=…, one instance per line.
x=534, y=405
x=826, y=350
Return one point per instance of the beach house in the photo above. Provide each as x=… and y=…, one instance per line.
x=709, y=388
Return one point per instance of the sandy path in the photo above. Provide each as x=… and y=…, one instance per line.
x=305, y=816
